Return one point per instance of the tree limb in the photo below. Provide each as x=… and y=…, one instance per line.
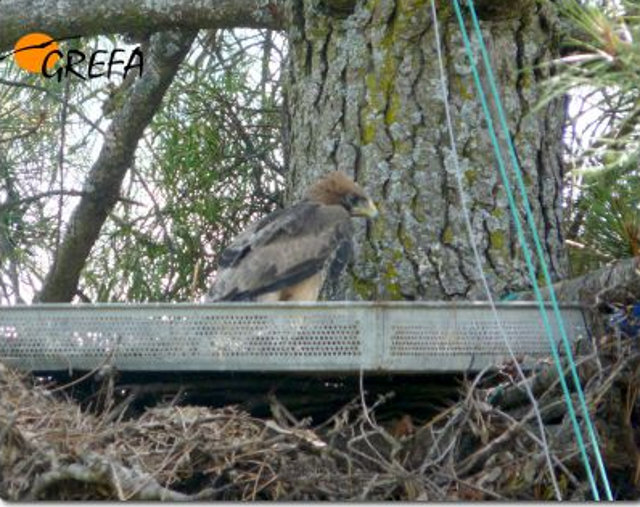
x=102, y=187
x=618, y=282
x=96, y=470
x=91, y=17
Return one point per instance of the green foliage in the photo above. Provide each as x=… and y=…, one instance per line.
x=30, y=174
x=210, y=162
x=209, y=167
x=601, y=73
x=611, y=227
x=614, y=221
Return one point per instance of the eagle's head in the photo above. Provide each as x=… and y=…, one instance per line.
x=337, y=188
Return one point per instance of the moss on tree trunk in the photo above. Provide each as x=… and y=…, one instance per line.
x=364, y=96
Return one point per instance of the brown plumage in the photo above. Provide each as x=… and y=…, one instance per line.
x=287, y=255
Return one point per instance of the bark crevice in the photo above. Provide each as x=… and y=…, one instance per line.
x=380, y=117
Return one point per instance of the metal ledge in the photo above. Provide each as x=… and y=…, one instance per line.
x=303, y=337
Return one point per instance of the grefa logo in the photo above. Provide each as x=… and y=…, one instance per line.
x=40, y=53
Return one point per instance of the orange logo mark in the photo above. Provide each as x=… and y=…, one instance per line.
x=31, y=50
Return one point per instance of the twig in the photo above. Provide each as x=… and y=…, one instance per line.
x=98, y=470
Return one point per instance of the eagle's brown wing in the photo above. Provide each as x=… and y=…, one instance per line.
x=284, y=249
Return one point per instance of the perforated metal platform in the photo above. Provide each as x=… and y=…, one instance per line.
x=320, y=337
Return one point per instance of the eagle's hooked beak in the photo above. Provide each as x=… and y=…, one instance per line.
x=367, y=210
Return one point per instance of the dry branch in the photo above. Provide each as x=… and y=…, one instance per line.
x=475, y=449
x=97, y=471
x=618, y=282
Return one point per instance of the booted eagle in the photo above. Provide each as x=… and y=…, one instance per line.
x=287, y=255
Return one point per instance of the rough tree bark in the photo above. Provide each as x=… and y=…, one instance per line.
x=618, y=282
x=364, y=96
x=93, y=17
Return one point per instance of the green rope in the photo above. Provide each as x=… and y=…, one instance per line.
x=556, y=310
x=527, y=253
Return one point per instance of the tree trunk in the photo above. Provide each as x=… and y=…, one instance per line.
x=364, y=96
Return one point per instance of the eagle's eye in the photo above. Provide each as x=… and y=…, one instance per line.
x=351, y=200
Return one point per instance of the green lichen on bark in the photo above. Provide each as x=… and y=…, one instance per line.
x=364, y=289
x=365, y=97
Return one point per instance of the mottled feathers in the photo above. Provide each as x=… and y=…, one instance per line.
x=288, y=254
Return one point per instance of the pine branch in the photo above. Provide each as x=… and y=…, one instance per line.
x=102, y=187
x=93, y=17
x=619, y=281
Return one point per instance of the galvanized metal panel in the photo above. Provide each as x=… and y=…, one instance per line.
x=322, y=337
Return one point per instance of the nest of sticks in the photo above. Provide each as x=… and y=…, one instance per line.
x=487, y=445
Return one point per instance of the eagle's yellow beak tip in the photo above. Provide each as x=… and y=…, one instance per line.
x=371, y=211
x=368, y=211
